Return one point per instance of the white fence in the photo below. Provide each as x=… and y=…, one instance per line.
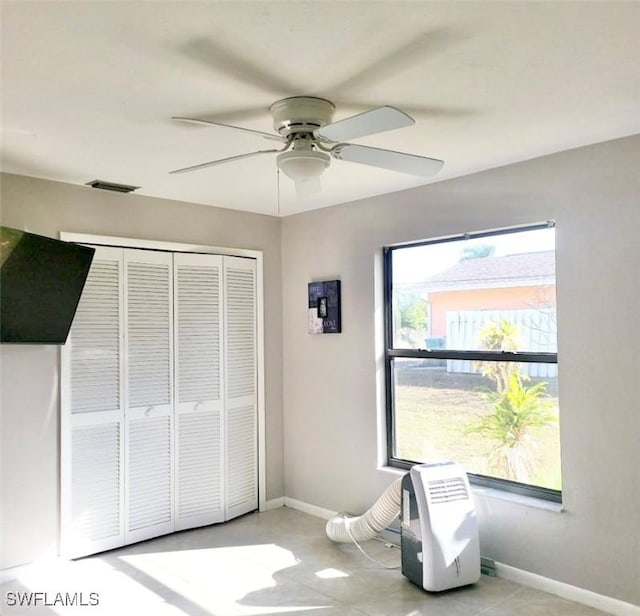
x=536, y=328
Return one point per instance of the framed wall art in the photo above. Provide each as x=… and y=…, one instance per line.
x=324, y=307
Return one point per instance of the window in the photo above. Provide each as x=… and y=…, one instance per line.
x=471, y=357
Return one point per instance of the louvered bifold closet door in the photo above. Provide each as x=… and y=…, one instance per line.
x=92, y=456
x=198, y=389
x=149, y=390
x=241, y=460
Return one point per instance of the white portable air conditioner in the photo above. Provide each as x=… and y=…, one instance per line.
x=439, y=530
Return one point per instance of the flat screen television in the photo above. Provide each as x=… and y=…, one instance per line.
x=41, y=280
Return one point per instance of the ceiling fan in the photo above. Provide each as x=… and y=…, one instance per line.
x=310, y=140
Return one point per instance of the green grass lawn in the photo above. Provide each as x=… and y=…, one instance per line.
x=433, y=410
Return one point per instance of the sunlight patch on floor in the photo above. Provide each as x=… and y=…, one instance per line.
x=328, y=574
x=222, y=579
x=238, y=581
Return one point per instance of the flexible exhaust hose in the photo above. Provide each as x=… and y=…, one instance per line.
x=343, y=529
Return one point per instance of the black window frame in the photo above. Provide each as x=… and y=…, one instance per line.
x=391, y=353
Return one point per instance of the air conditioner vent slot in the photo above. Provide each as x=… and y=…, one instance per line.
x=102, y=185
x=447, y=490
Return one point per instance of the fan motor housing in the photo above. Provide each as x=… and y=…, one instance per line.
x=301, y=114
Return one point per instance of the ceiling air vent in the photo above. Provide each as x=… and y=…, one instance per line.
x=102, y=185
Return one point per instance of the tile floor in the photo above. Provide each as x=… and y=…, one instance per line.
x=278, y=563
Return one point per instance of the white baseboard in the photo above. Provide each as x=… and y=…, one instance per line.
x=567, y=591
x=319, y=512
x=274, y=503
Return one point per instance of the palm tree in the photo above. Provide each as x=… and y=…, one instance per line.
x=516, y=407
x=516, y=410
x=502, y=336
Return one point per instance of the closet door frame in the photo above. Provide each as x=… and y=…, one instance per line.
x=125, y=242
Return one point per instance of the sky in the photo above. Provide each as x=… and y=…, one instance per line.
x=420, y=262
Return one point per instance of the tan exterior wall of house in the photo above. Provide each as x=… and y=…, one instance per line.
x=512, y=298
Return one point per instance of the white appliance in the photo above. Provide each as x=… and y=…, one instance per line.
x=439, y=530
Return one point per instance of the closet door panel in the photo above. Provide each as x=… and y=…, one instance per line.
x=149, y=504
x=96, y=498
x=241, y=460
x=199, y=390
x=148, y=296
x=149, y=391
x=92, y=454
x=159, y=398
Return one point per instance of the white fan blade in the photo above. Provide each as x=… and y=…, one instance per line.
x=388, y=159
x=221, y=161
x=368, y=123
x=242, y=128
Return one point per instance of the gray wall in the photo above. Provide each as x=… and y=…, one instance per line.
x=332, y=383
x=29, y=423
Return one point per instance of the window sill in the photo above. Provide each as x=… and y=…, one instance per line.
x=393, y=471
x=517, y=499
x=510, y=497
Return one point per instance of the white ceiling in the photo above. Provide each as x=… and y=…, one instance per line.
x=89, y=88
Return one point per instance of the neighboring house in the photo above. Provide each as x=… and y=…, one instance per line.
x=512, y=282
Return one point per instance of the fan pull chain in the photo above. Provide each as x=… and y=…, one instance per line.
x=278, y=187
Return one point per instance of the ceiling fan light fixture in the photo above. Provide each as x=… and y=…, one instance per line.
x=303, y=165
x=311, y=139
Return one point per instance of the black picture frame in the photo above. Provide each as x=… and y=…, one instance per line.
x=325, y=313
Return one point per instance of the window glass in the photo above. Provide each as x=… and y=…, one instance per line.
x=446, y=295
x=472, y=355
x=461, y=413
